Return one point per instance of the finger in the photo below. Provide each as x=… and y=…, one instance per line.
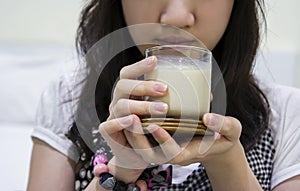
x=141, y=145
x=168, y=145
x=136, y=137
x=100, y=168
x=127, y=87
x=138, y=69
x=142, y=185
x=115, y=125
x=228, y=127
x=126, y=106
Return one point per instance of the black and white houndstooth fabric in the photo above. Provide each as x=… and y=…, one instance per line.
x=260, y=159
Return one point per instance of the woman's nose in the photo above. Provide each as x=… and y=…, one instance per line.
x=177, y=13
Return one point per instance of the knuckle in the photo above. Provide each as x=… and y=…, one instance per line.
x=102, y=127
x=111, y=107
x=228, y=128
x=123, y=72
x=141, y=153
x=119, y=85
x=176, y=160
x=147, y=157
x=172, y=161
x=142, y=86
x=238, y=126
x=118, y=108
x=135, y=88
x=114, y=109
x=146, y=107
x=121, y=104
x=148, y=85
x=233, y=125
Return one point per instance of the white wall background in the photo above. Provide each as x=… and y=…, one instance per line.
x=36, y=45
x=280, y=57
x=39, y=21
x=284, y=28
x=39, y=36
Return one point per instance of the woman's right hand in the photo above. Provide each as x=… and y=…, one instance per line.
x=129, y=91
x=124, y=110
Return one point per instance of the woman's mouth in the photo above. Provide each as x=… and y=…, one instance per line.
x=174, y=40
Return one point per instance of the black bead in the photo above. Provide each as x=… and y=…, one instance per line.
x=107, y=181
x=133, y=187
x=120, y=186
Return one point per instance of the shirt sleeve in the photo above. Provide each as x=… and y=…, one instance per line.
x=285, y=117
x=55, y=118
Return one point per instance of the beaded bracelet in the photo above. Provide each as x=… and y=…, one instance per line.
x=107, y=180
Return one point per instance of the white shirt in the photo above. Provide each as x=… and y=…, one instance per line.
x=285, y=125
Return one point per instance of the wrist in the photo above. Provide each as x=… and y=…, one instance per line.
x=231, y=171
x=105, y=172
x=226, y=159
x=127, y=175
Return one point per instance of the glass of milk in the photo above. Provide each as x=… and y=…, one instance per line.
x=187, y=72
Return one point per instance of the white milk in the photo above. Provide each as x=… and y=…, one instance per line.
x=189, y=86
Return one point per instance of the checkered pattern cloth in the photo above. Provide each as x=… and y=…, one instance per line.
x=260, y=159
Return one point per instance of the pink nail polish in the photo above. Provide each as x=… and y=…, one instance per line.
x=150, y=60
x=160, y=87
x=161, y=107
x=212, y=120
x=127, y=120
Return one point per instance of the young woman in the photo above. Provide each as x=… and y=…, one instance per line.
x=258, y=141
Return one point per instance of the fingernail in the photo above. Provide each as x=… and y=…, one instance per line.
x=160, y=87
x=136, y=118
x=150, y=60
x=151, y=128
x=161, y=107
x=99, y=169
x=211, y=120
x=127, y=120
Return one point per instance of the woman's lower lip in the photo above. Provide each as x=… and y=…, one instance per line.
x=171, y=42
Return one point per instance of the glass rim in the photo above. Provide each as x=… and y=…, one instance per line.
x=174, y=46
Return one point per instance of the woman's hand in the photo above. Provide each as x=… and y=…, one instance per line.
x=127, y=103
x=132, y=150
x=219, y=154
x=103, y=168
x=211, y=149
x=207, y=149
x=124, y=108
x=129, y=91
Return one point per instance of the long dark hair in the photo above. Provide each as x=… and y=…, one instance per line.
x=235, y=55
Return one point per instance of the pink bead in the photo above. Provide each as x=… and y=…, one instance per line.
x=100, y=159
